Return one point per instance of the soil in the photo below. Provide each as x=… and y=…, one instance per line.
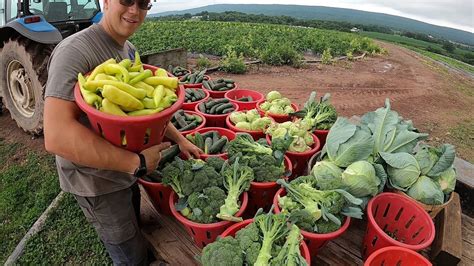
x=436, y=99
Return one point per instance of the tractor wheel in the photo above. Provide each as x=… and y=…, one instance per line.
x=23, y=75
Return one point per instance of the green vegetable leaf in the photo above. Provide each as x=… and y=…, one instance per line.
x=446, y=156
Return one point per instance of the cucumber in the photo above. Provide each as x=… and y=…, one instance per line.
x=214, y=108
x=180, y=120
x=199, y=141
x=223, y=107
x=168, y=155
x=218, y=86
x=205, y=83
x=190, y=126
x=184, y=78
x=208, y=134
x=210, y=103
x=229, y=81
x=202, y=107
x=230, y=85
x=228, y=110
x=218, y=145
x=207, y=145
x=198, y=119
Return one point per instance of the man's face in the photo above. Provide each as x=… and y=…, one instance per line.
x=124, y=20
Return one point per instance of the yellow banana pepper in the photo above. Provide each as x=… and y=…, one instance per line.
x=145, y=112
x=135, y=92
x=158, y=94
x=111, y=108
x=100, y=69
x=121, y=98
x=145, y=74
x=170, y=82
x=112, y=69
x=142, y=85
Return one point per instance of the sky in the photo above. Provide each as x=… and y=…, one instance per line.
x=458, y=14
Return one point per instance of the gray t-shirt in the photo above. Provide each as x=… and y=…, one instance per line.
x=82, y=52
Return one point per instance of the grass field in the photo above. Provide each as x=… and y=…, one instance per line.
x=421, y=46
x=28, y=184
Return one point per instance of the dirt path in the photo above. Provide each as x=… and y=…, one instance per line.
x=439, y=102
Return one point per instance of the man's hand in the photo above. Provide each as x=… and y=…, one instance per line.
x=189, y=149
x=153, y=155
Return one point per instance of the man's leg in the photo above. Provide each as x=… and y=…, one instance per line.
x=113, y=217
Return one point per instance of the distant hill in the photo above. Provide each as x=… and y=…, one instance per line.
x=339, y=14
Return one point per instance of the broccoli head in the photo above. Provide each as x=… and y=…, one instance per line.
x=224, y=251
x=249, y=239
x=265, y=167
x=172, y=175
x=205, y=205
x=197, y=176
x=323, y=226
x=215, y=162
x=302, y=219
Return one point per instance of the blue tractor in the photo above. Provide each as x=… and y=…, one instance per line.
x=29, y=30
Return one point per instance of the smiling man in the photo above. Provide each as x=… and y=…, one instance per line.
x=101, y=176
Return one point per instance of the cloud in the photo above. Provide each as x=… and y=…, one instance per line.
x=450, y=13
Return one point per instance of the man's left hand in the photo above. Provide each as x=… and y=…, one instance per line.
x=189, y=149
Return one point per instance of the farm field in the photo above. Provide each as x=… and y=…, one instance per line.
x=439, y=102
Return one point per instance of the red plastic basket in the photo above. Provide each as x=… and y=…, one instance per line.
x=322, y=135
x=196, y=85
x=203, y=123
x=220, y=94
x=313, y=240
x=396, y=256
x=256, y=135
x=204, y=234
x=192, y=105
x=215, y=120
x=223, y=132
x=159, y=195
x=235, y=94
x=299, y=160
x=277, y=118
x=402, y=217
x=261, y=194
x=232, y=230
x=140, y=132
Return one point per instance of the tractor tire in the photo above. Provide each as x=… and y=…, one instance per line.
x=23, y=75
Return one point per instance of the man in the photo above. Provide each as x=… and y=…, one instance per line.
x=101, y=176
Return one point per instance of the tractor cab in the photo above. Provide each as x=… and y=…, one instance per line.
x=29, y=30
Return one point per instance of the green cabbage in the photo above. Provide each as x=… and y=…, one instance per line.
x=427, y=191
x=243, y=125
x=402, y=168
x=273, y=95
x=236, y=117
x=447, y=180
x=360, y=179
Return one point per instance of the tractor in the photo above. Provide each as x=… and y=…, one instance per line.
x=29, y=30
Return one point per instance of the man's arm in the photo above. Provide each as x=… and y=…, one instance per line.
x=65, y=136
x=184, y=144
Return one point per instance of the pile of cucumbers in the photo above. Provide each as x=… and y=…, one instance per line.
x=219, y=84
x=245, y=99
x=179, y=71
x=185, y=122
x=210, y=142
x=194, y=78
x=194, y=95
x=216, y=106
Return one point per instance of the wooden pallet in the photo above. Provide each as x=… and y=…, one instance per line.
x=173, y=246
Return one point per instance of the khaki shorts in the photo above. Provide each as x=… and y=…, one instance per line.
x=114, y=217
